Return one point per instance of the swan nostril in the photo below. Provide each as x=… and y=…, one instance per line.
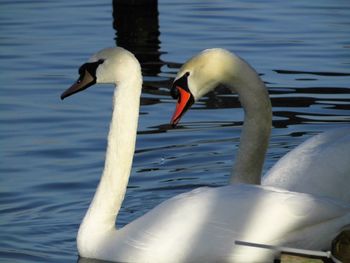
x=174, y=92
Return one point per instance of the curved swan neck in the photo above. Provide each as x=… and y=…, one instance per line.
x=256, y=130
x=102, y=213
x=219, y=66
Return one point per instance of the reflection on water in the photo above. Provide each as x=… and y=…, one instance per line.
x=52, y=152
x=90, y=260
x=137, y=29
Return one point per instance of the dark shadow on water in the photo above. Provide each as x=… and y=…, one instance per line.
x=91, y=260
x=137, y=29
x=329, y=74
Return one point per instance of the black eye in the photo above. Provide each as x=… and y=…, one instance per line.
x=82, y=69
x=174, y=92
x=187, y=74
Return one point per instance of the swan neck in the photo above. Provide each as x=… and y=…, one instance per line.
x=256, y=129
x=104, y=208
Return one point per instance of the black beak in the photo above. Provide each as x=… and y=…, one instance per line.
x=85, y=80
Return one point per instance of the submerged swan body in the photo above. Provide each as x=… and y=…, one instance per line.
x=201, y=225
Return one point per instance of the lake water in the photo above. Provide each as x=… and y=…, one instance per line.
x=52, y=152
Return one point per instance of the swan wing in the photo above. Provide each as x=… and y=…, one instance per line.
x=203, y=225
x=320, y=165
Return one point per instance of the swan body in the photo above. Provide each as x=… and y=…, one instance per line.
x=201, y=225
x=320, y=165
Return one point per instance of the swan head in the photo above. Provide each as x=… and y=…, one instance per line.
x=110, y=65
x=199, y=75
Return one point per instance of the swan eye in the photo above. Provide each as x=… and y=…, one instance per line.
x=82, y=69
x=90, y=67
x=180, y=83
x=174, y=92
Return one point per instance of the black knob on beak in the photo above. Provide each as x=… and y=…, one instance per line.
x=174, y=92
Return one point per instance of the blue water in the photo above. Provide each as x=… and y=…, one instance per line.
x=52, y=152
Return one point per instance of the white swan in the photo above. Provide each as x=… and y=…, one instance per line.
x=321, y=165
x=204, y=73
x=201, y=225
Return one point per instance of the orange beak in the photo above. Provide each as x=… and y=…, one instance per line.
x=184, y=102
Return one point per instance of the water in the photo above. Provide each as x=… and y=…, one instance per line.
x=52, y=152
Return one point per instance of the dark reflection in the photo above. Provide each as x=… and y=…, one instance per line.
x=294, y=72
x=137, y=29
x=91, y=260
